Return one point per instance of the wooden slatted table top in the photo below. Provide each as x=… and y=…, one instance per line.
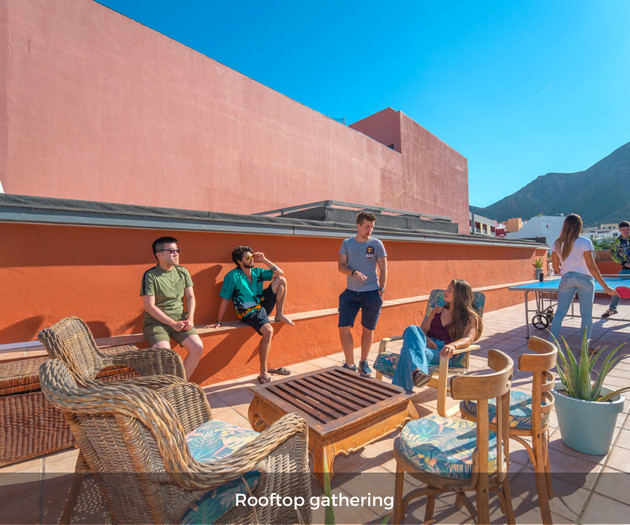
x=331, y=398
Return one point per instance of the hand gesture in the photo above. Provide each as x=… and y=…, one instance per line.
x=358, y=276
x=448, y=350
x=188, y=324
x=178, y=326
x=610, y=291
x=431, y=343
x=259, y=257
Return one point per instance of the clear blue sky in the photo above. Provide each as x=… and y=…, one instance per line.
x=519, y=87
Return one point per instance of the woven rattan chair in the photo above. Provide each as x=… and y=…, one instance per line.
x=386, y=361
x=455, y=455
x=134, y=440
x=529, y=416
x=71, y=341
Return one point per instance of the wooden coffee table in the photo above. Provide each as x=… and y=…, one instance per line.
x=343, y=410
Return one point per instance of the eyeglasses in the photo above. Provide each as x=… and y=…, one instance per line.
x=249, y=257
x=172, y=251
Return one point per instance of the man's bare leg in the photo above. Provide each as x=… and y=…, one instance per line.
x=367, y=336
x=195, y=350
x=347, y=344
x=279, y=287
x=266, y=331
x=194, y=353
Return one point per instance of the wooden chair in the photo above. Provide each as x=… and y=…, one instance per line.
x=386, y=362
x=456, y=455
x=160, y=458
x=529, y=415
x=72, y=341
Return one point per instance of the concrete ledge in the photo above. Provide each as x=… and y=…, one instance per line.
x=35, y=348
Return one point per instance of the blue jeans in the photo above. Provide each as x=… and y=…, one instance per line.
x=570, y=284
x=414, y=354
x=614, y=301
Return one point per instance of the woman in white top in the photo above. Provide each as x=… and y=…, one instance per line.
x=573, y=258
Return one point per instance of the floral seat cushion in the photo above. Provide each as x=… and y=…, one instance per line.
x=213, y=441
x=443, y=446
x=386, y=363
x=520, y=410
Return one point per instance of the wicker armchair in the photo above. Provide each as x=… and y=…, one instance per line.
x=134, y=441
x=71, y=341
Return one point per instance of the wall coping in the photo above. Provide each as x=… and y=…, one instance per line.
x=28, y=209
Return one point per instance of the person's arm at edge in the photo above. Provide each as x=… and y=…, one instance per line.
x=555, y=262
x=382, y=273
x=150, y=308
x=592, y=267
x=342, y=266
x=614, y=252
x=220, y=314
x=191, y=303
x=260, y=257
x=426, y=324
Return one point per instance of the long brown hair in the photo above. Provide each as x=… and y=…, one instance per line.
x=570, y=232
x=463, y=310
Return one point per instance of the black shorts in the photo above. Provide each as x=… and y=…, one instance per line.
x=260, y=316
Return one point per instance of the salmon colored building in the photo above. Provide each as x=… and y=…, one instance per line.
x=97, y=109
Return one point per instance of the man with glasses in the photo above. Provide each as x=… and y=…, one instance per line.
x=620, y=253
x=163, y=289
x=244, y=286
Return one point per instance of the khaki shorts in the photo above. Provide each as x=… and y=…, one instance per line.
x=154, y=332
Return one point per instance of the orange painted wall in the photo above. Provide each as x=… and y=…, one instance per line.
x=54, y=271
x=92, y=102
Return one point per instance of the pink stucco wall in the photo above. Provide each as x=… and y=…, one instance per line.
x=95, y=106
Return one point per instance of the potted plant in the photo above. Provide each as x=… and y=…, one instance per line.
x=538, y=266
x=587, y=411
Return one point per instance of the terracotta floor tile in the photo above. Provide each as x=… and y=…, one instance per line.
x=601, y=509
x=619, y=459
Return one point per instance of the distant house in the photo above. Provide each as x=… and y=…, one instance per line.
x=513, y=225
x=547, y=227
x=482, y=225
x=604, y=231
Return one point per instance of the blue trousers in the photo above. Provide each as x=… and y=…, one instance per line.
x=614, y=301
x=414, y=355
x=570, y=284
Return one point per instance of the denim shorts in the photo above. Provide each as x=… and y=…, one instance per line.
x=368, y=302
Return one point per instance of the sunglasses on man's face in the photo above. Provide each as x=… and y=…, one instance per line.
x=172, y=251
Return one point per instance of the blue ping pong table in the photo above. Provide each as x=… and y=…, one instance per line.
x=546, y=294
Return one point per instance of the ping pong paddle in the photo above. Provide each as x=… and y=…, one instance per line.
x=623, y=291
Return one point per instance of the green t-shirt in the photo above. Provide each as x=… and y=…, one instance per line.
x=245, y=295
x=168, y=288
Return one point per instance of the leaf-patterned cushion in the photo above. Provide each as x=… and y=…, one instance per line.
x=213, y=441
x=216, y=440
x=520, y=410
x=443, y=446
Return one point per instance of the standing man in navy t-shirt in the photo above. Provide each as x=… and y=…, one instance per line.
x=358, y=258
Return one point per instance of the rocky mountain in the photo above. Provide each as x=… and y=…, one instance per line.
x=600, y=194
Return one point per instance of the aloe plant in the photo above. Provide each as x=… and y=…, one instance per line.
x=577, y=376
x=538, y=263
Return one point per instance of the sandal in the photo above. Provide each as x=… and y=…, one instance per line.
x=419, y=378
x=280, y=371
x=264, y=380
